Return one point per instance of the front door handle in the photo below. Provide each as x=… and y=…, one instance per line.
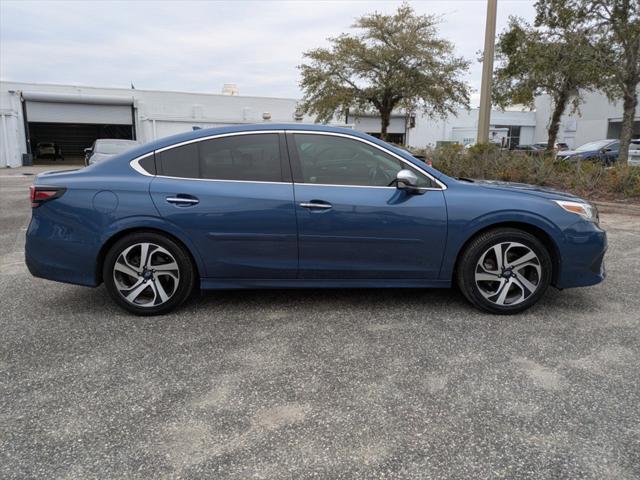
x=183, y=201
x=316, y=204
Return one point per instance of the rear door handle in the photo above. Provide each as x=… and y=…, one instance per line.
x=315, y=204
x=183, y=201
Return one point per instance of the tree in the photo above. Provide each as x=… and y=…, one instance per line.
x=394, y=61
x=612, y=30
x=533, y=62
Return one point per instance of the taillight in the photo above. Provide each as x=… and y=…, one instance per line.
x=41, y=194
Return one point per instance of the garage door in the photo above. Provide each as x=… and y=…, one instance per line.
x=68, y=108
x=45, y=112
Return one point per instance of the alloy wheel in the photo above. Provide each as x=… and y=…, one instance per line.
x=146, y=275
x=508, y=273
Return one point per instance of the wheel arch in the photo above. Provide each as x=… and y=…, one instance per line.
x=538, y=232
x=106, y=246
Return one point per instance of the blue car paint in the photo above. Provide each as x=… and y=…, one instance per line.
x=261, y=237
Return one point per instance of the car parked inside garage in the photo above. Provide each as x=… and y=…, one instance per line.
x=302, y=206
x=49, y=150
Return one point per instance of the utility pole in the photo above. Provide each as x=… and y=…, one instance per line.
x=487, y=72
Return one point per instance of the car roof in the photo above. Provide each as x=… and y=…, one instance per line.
x=208, y=132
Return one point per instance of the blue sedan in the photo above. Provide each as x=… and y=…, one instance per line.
x=302, y=206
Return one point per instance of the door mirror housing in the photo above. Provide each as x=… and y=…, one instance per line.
x=408, y=181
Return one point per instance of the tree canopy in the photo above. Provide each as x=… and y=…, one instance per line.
x=392, y=61
x=611, y=28
x=532, y=62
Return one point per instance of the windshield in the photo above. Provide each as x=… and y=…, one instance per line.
x=114, y=147
x=593, y=145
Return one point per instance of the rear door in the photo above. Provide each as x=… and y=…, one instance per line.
x=233, y=196
x=353, y=224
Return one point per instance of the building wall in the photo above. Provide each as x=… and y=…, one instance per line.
x=157, y=114
x=428, y=131
x=591, y=123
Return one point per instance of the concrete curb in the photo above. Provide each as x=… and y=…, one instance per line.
x=618, y=207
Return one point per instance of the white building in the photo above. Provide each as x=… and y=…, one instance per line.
x=519, y=127
x=74, y=116
x=598, y=119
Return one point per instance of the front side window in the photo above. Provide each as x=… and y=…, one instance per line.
x=241, y=157
x=333, y=160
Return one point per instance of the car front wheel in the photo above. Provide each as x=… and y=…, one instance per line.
x=148, y=273
x=504, y=271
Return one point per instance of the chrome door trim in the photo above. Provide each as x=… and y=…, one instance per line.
x=136, y=166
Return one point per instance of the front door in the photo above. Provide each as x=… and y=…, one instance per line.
x=352, y=222
x=233, y=199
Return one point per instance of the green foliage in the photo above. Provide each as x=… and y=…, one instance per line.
x=534, y=61
x=392, y=61
x=588, y=179
x=611, y=29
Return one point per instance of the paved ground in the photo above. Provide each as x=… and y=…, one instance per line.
x=318, y=384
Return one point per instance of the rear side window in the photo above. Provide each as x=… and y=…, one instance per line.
x=241, y=157
x=179, y=161
x=148, y=164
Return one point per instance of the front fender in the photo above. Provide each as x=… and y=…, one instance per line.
x=459, y=233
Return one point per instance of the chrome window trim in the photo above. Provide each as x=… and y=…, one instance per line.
x=136, y=166
x=443, y=186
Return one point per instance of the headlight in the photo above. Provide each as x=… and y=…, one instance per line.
x=585, y=210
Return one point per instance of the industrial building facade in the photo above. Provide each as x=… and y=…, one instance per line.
x=73, y=117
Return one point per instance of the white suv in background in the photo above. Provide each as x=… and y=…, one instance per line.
x=634, y=153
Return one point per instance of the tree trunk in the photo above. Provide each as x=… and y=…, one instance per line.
x=560, y=103
x=385, y=119
x=629, y=103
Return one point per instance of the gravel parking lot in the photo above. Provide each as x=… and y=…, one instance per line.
x=318, y=384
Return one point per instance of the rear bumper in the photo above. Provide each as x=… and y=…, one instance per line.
x=60, y=260
x=582, y=256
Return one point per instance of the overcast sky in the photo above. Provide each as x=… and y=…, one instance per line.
x=198, y=46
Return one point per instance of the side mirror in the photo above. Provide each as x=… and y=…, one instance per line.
x=87, y=151
x=408, y=181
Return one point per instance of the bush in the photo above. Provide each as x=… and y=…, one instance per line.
x=588, y=179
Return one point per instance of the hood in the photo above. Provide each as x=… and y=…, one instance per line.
x=545, y=192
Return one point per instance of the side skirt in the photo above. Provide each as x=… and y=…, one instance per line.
x=257, y=283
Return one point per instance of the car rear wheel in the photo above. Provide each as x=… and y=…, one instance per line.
x=504, y=271
x=148, y=273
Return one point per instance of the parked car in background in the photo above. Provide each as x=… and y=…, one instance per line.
x=49, y=150
x=634, y=153
x=105, y=148
x=302, y=206
x=559, y=146
x=534, y=149
x=604, y=151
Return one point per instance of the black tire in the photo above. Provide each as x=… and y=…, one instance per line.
x=186, y=273
x=468, y=266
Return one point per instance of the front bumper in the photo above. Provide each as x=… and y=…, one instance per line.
x=582, y=256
